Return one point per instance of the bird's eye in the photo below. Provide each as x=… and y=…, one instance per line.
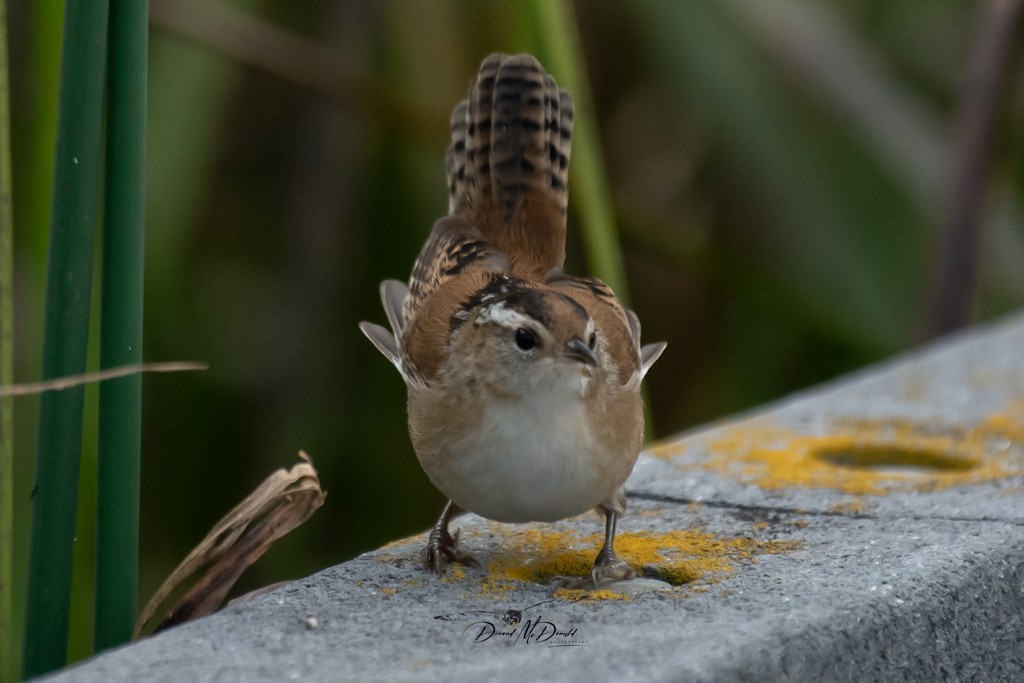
x=525, y=339
x=592, y=342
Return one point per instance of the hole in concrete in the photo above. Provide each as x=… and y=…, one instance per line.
x=895, y=458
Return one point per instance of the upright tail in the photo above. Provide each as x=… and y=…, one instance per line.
x=508, y=163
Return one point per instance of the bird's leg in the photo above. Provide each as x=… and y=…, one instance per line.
x=443, y=547
x=608, y=567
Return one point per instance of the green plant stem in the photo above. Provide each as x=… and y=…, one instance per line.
x=6, y=369
x=65, y=336
x=120, y=435
x=563, y=56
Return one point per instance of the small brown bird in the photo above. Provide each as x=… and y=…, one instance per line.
x=523, y=382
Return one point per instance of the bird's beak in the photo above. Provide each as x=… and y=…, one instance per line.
x=578, y=350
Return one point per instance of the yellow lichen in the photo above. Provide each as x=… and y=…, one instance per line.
x=577, y=594
x=870, y=457
x=454, y=574
x=677, y=557
x=668, y=451
x=849, y=508
x=1008, y=425
x=679, y=574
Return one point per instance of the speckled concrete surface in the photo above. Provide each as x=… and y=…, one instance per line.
x=871, y=529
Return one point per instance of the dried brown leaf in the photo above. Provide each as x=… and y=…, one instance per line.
x=282, y=502
x=61, y=383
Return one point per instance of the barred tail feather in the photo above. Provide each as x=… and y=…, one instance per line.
x=508, y=162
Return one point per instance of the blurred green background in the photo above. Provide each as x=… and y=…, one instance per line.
x=779, y=174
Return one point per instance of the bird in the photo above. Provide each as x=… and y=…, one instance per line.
x=523, y=382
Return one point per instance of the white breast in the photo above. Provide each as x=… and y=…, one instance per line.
x=530, y=460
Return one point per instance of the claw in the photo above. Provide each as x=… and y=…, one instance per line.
x=613, y=571
x=442, y=547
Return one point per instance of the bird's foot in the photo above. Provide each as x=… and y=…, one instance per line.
x=608, y=570
x=443, y=549
x=611, y=571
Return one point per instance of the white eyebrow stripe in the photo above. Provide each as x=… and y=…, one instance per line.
x=500, y=314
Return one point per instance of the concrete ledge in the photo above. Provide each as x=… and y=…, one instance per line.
x=870, y=529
